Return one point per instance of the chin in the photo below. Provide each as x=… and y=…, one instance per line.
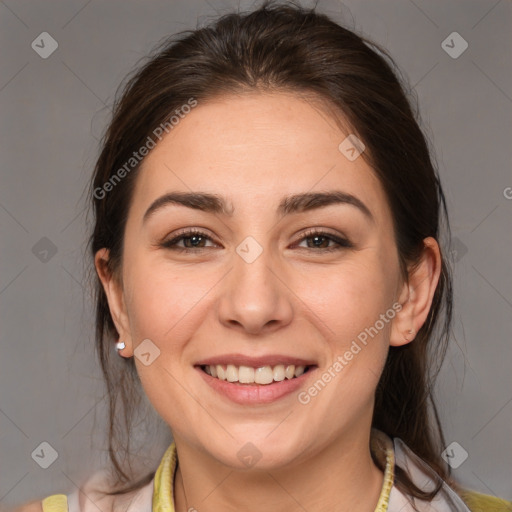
x=260, y=448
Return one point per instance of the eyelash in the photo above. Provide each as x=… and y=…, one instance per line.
x=343, y=243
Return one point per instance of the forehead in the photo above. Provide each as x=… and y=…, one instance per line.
x=257, y=147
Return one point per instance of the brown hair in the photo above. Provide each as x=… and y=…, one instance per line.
x=279, y=47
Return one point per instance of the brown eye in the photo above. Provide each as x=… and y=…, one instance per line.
x=321, y=240
x=192, y=240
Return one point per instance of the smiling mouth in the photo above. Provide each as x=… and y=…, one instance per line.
x=262, y=375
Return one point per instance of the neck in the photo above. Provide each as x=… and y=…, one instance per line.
x=342, y=477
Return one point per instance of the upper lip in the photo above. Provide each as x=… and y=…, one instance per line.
x=255, y=362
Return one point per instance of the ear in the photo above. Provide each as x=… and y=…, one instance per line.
x=115, y=296
x=416, y=296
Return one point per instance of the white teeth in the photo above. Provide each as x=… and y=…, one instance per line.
x=231, y=373
x=290, y=371
x=221, y=373
x=279, y=372
x=263, y=375
x=248, y=375
x=299, y=370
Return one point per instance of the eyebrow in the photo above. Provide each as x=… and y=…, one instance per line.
x=296, y=203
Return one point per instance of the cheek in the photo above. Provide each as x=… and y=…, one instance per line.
x=166, y=302
x=351, y=297
x=355, y=306
x=164, y=307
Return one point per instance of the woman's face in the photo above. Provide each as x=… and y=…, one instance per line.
x=257, y=289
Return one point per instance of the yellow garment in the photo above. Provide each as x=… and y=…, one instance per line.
x=478, y=502
x=163, y=495
x=55, y=503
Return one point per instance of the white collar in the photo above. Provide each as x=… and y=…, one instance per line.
x=141, y=500
x=417, y=470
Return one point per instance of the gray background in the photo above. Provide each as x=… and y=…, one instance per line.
x=53, y=111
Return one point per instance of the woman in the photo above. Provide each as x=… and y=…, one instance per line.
x=266, y=242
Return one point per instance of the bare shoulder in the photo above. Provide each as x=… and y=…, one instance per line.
x=52, y=503
x=32, y=506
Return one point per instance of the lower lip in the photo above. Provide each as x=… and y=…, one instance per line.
x=252, y=394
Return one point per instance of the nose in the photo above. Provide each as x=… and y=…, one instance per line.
x=256, y=297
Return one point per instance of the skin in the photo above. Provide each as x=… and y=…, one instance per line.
x=294, y=299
